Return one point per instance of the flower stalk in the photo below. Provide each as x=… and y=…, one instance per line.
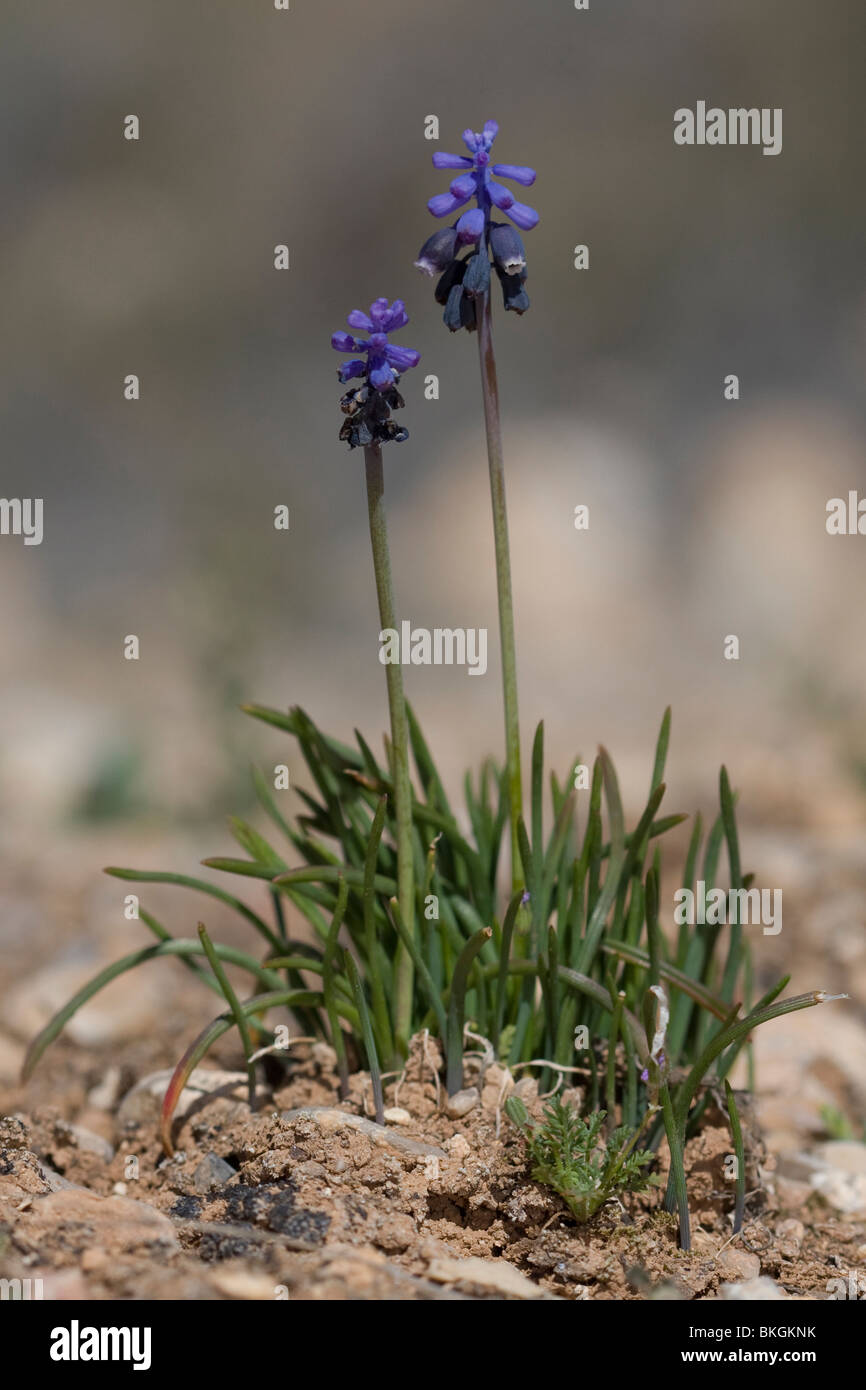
x=404, y=970
x=369, y=424
x=490, y=394
x=464, y=289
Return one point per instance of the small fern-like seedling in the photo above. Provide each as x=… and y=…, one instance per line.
x=569, y=1155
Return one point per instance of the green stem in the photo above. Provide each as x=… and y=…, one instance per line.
x=490, y=393
x=399, y=743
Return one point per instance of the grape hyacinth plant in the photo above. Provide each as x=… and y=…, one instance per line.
x=369, y=424
x=464, y=289
x=407, y=918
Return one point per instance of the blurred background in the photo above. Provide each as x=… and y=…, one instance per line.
x=306, y=128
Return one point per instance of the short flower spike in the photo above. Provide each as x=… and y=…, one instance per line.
x=463, y=279
x=380, y=365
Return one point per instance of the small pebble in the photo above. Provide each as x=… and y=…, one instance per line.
x=212, y=1172
x=461, y=1103
x=458, y=1147
x=738, y=1264
x=88, y=1142
x=526, y=1089
x=791, y=1229
x=396, y=1115
x=790, y=1234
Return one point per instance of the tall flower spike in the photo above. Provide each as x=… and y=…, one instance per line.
x=380, y=365
x=368, y=425
x=463, y=279
x=463, y=288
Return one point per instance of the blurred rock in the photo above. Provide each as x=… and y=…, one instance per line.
x=11, y=1058
x=738, y=1264
x=461, y=1103
x=104, y=1096
x=493, y=1276
x=843, y=1154
x=117, y=1225
x=212, y=1171
x=227, y=1090
x=129, y=1006
x=761, y=1290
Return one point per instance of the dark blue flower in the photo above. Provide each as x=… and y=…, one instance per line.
x=383, y=361
x=438, y=251
x=464, y=279
x=380, y=365
x=506, y=247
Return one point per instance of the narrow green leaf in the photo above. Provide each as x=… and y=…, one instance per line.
x=661, y=750
x=504, y=959
x=537, y=808
x=739, y=1155
x=255, y=844
x=328, y=989
x=201, y=886
x=367, y=1036
x=236, y=1010
x=737, y=1030
x=456, y=1009
x=174, y=947
x=424, y=975
x=678, y=1175
x=327, y=873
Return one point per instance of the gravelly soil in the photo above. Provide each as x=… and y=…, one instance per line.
x=311, y=1206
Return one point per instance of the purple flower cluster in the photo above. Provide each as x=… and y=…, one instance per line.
x=464, y=278
x=368, y=407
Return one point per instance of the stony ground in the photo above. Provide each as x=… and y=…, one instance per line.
x=308, y=1199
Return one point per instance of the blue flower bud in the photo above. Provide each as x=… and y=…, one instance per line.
x=459, y=311
x=476, y=281
x=453, y=276
x=514, y=296
x=506, y=247
x=438, y=251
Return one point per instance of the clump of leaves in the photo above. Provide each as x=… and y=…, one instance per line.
x=571, y=1156
x=583, y=944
